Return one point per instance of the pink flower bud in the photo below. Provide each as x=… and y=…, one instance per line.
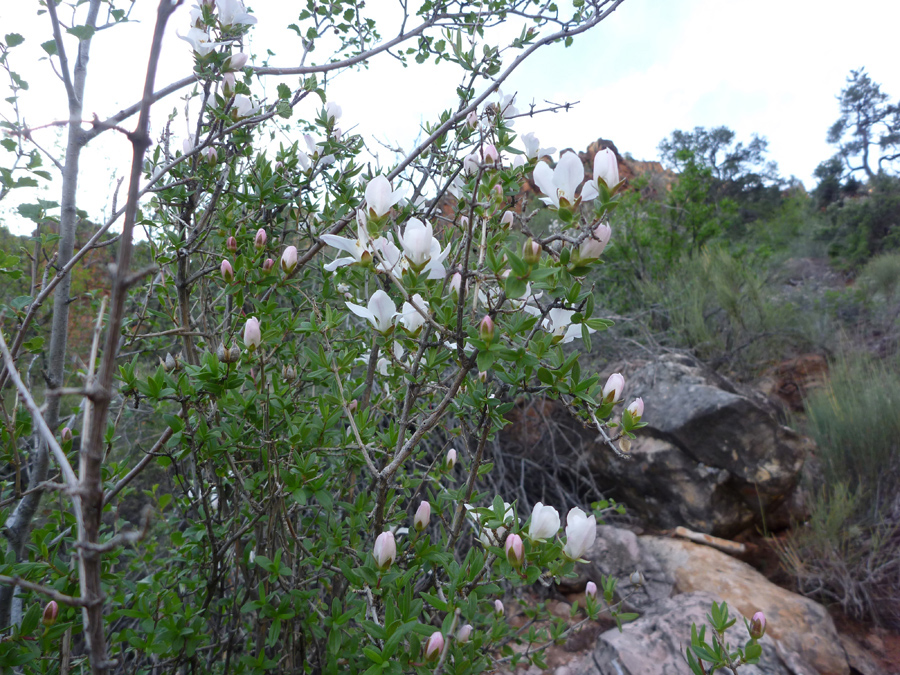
x=757, y=626
x=353, y=406
x=612, y=390
x=531, y=252
x=260, y=240
x=486, y=329
x=507, y=218
x=51, y=613
x=464, y=222
x=423, y=515
x=231, y=244
x=490, y=154
x=236, y=61
x=227, y=271
x=450, y=460
x=210, y=154
x=472, y=119
x=515, y=551
x=498, y=608
x=593, y=247
x=636, y=409
x=66, y=434
x=289, y=259
x=591, y=589
x=464, y=633
x=482, y=376
x=637, y=578
x=498, y=191
x=434, y=646
x=268, y=265
x=252, y=333
x=385, y=550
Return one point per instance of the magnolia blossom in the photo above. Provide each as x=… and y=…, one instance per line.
x=456, y=283
x=559, y=184
x=636, y=409
x=493, y=537
x=416, y=242
x=486, y=329
x=490, y=154
x=592, y=247
x=450, y=460
x=232, y=12
x=506, y=106
x=66, y=434
x=228, y=82
x=380, y=311
x=410, y=317
x=498, y=607
x=316, y=151
x=423, y=515
x=581, y=531
x=200, y=41
x=359, y=249
x=236, y=61
x=380, y=198
x=515, y=550
x=559, y=322
x=434, y=646
x=470, y=163
x=464, y=633
x=385, y=550
x=227, y=271
x=544, y=522
x=533, y=149
x=389, y=256
x=243, y=107
x=333, y=111
x=472, y=119
x=757, y=627
x=606, y=168
x=507, y=218
x=612, y=390
x=252, y=333
x=267, y=265
x=259, y=241
x=50, y=613
x=591, y=589
x=289, y=259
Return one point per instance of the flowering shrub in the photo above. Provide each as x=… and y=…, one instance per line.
x=306, y=511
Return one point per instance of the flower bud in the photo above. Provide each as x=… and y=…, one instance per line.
x=515, y=551
x=498, y=608
x=490, y=154
x=228, y=354
x=66, y=434
x=333, y=111
x=472, y=119
x=423, y=515
x=227, y=271
x=591, y=589
x=353, y=406
x=434, y=646
x=593, y=247
x=482, y=376
x=450, y=460
x=169, y=364
x=288, y=373
x=260, y=240
x=267, y=265
x=636, y=409
x=637, y=579
x=385, y=550
x=236, y=61
x=612, y=390
x=289, y=259
x=51, y=613
x=455, y=283
x=210, y=154
x=464, y=222
x=506, y=220
x=231, y=244
x=252, y=333
x=531, y=252
x=464, y=633
x=486, y=329
x=228, y=82
x=757, y=626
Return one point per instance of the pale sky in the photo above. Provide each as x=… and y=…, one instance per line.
x=772, y=67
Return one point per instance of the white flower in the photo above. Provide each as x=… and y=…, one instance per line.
x=606, y=168
x=593, y=247
x=544, y=522
x=380, y=198
x=232, y=12
x=559, y=322
x=410, y=317
x=199, y=39
x=559, y=184
x=416, y=242
x=470, y=162
x=243, y=107
x=389, y=256
x=358, y=248
x=317, y=150
x=380, y=311
x=385, y=550
x=533, y=149
x=492, y=537
x=333, y=111
x=507, y=107
x=580, y=533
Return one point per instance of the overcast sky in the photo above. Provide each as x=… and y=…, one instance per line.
x=772, y=67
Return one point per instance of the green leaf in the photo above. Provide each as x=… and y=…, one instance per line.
x=31, y=620
x=34, y=344
x=82, y=32
x=284, y=91
x=284, y=109
x=14, y=39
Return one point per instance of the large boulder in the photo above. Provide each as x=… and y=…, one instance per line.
x=712, y=458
